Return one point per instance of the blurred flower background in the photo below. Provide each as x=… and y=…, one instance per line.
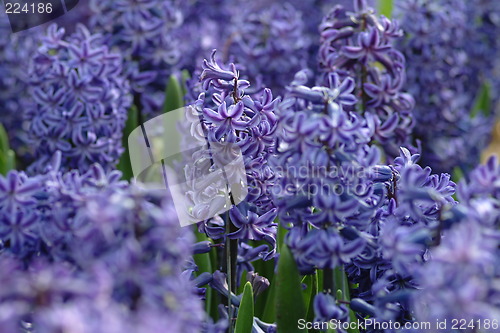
x=370, y=137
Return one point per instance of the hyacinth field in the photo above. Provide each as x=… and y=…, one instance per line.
x=321, y=166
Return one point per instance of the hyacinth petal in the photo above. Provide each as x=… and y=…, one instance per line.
x=223, y=129
x=347, y=86
x=28, y=187
x=213, y=116
x=236, y=110
x=348, y=99
x=353, y=52
x=373, y=38
x=12, y=181
x=390, y=124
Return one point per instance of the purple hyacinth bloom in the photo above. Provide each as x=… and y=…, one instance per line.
x=400, y=236
x=79, y=101
x=16, y=50
x=250, y=225
x=213, y=71
x=360, y=45
x=322, y=249
x=446, y=49
x=458, y=282
x=148, y=37
x=87, y=243
x=259, y=283
x=326, y=308
x=323, y=161
x=369, y=47
x=459, y=279
x=18, y=229
x=247, y=119
x=227, y=119
x=270, y=43
x=16, y=191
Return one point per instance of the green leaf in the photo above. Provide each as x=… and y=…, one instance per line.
x=7, y=155
x=244, y=321
x=174, y=97
x=385, y=7
x=281, y=236
x=131, y=124
x=343, y=293
x=204, y=263
x=7, y=161
x=266, y=269
x=269, y=314
x=340, y=282
x=289, y=300
x=483, y=101
x=185, y=77
x=457, y=174
x=4, y=140
x=312, y=290
x=320, y=278
x=308, y=292
x=11, y=161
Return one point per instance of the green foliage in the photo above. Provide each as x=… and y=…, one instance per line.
x=269, y=313
x=204, y=263
x=7, y=155
x=244, y=321
x=457, y=174
x=174, y=95
x=385, y=7
x=185, y=77
x=312, y=289
x=266, y=269
x=131, y=124
x=289, y=299
x=483, y=101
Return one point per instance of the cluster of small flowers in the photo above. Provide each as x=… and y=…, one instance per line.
x=236, y=125
x=76, y=242
x=207, y=25
x=483, y=27
x=376, y=221
x=271, y=44
x=417, y=205
x=78, y=100
x=16, y=50
x=248, y=121
x=268, y=42
x=360, y=44
x=323, y=160
x=444, y=49
x=271, y=41
x=311, y=13
x=461, y=279
x=144, y=32
x=79, y=246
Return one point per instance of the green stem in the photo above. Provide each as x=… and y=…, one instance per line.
x=229, y=272
x=329, y=281
x=344, y=293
